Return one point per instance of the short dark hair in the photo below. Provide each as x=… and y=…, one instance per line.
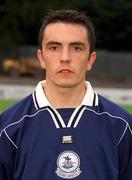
x=69, y=17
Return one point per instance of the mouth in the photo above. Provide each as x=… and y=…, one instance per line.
x=65, y=71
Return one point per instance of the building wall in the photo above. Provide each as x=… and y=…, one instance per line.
x=113, y=65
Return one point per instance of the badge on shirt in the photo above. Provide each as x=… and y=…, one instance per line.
x=67, y=139
x=68, y=165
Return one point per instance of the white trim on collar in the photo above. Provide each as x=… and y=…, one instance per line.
x=89, y=95
x=87, y=100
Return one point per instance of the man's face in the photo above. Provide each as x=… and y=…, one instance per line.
x=65, y=54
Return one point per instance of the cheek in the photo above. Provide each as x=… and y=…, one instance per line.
x=50, y=60
x=83, y=65
x=50, y=67
x=81, y=69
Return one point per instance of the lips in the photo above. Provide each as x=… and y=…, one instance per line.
x=65, y=71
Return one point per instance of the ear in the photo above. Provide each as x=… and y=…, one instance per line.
x=91, y=60
x=40, y=58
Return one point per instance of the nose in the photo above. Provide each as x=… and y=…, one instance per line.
x=65, y=56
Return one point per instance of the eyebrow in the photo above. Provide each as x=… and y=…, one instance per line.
x=53, y=43
x=78, y=43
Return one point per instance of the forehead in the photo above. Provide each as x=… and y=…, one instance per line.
x=65, y=32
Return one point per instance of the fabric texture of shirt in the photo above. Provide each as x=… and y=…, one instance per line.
x=39, y=142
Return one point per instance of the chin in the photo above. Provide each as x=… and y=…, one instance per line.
x=67, y=84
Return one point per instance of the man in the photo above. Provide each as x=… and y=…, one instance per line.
x=65, y=130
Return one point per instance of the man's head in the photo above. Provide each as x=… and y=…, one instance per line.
x=66, y=49
x=69, y=17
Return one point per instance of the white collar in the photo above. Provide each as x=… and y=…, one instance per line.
x=90, y=98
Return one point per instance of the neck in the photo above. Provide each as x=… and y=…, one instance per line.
x=65, y=97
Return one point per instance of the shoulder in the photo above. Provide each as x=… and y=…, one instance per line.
x=110, y=112
x=111, y=106
x=111, y=116
x=17, y=111
x=113, y=110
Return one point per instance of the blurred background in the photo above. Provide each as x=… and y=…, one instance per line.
x=19, y=26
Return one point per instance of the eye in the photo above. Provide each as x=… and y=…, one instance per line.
x=77, y=48
x=53, y=48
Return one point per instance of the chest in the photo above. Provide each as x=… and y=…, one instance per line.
x=88, y=145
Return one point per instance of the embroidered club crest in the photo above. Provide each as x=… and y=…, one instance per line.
x=68, y=165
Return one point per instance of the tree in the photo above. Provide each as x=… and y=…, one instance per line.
x=20, y=21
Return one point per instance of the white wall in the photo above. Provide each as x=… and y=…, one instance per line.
x=17, y=92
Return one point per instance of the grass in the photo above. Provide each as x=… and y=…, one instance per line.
x=6, y=103
x=128, y=108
